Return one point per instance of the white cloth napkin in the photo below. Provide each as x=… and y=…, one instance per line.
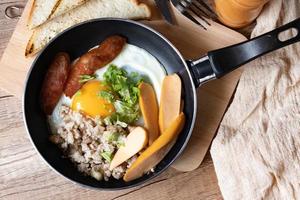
x=256, y=152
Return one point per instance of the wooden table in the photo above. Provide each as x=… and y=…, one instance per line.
x=24, y=175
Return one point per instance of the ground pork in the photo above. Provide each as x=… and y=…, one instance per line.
x=84, y=140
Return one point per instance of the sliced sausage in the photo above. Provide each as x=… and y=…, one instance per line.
x=54, y=82
x=93, y=60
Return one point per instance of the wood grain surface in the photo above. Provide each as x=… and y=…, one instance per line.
x=24, y=175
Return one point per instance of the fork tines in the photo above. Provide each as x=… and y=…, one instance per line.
x=197, y=11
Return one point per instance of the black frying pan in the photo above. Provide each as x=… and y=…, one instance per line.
x=79, y=39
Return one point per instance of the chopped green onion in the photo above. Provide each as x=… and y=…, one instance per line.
x=134, y=75
x=108, y=121
x=113, y=137
x=120, y=144
x=107, y=155
x=85, y=78
x=122, y=124
x=106, y=95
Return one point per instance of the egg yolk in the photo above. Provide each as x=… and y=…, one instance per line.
x=89, y=100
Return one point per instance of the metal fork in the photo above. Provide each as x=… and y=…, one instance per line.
x=196, y=10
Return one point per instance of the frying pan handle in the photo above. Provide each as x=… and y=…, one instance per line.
x=201, y=70
x=229, y=58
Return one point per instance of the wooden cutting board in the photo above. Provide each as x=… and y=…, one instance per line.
x=191, y=40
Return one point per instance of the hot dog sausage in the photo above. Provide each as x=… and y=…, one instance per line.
x=54, y=82
x=93, y=60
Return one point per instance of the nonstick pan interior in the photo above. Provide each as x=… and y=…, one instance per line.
x=75, y=42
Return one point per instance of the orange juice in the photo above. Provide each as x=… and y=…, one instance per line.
x=238, y=13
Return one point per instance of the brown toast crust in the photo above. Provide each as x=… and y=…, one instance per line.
x=137, y=2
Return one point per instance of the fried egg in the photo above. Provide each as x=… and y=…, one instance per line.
x=89, y=102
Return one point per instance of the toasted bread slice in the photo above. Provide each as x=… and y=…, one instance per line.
x=65, y=6
x=129, y=9
x=42, y=10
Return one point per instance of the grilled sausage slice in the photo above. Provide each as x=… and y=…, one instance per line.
x=93, y=60
x=53, y=85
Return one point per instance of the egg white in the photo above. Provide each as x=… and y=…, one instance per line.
x=132, y=59
x=55, y=119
